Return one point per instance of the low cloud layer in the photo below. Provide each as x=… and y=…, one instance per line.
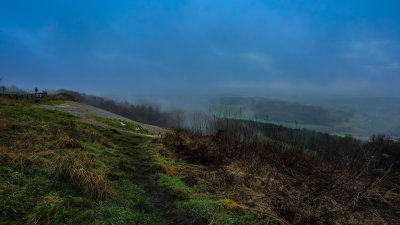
x=164, y=47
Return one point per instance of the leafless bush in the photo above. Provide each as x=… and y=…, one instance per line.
x=328, y=180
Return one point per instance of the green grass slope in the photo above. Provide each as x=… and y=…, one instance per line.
x=56, y=170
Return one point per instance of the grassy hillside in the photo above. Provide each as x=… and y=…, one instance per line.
x=146, y=113
x=56, y=170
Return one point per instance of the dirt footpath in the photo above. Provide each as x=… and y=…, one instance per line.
x=85, y=111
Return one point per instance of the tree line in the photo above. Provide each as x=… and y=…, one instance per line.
x=149, y=114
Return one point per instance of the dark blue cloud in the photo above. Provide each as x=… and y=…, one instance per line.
x=139, y=47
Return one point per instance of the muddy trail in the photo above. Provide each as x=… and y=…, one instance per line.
x=145, y=174
x=146, y=178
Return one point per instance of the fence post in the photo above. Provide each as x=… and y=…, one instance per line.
x=24, y=96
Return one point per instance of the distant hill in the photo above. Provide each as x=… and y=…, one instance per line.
x=372, y=114
x=281, y=111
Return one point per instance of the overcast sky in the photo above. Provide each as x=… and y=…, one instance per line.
x=202, y=46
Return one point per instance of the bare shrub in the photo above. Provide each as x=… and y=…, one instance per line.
x=339, y=181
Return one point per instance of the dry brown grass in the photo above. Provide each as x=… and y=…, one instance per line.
x=295, y=199
x=97, y=137
x=27, y=149
x=78, y=168
x=31, y=151
x=293, y=188
x=63, y=140
x=55, y=147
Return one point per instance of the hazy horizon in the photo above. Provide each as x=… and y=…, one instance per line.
x=159, y=48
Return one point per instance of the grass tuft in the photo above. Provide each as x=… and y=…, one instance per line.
x=78, y=168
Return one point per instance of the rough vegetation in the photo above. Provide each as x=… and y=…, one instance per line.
x=338, y=181
x=56, y=170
